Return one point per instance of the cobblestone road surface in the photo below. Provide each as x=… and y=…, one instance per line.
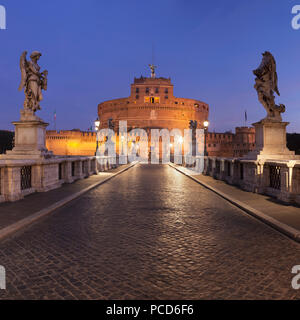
x=150, y=233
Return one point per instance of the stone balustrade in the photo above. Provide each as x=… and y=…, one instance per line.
x=19, y=178
x=279, y=179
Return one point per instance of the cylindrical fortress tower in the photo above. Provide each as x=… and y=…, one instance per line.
x=152, y=105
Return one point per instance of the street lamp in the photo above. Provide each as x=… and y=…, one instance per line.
x=206, y=125
x=97, y=126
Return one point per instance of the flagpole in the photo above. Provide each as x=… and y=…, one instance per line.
x=54, y=120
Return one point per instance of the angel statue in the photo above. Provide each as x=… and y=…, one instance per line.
x=152, y=68
x=266, y=85
x=32, y=81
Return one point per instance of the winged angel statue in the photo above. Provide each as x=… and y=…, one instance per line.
x=32, y=81
x=266, y=85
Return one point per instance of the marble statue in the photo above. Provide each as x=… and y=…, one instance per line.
x=111, y=125
x=266, y=85
x=193, y=124
x=33, y=81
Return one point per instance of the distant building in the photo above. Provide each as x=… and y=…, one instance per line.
x=71, y=142
x=231, y=145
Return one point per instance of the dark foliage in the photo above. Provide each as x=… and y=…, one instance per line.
x=6, y=141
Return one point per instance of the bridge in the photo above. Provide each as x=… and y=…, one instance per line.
x=144, y=231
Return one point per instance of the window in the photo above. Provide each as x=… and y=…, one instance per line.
x=137, y=97
x=147, y=90
x=137, y=90
x=166, y=91
x=166, y=97
x=152, y=100
x=156, y=90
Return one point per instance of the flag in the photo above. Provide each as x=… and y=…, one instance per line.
x=55, y=115
x=246, y=116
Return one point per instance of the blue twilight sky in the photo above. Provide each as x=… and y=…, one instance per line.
x=94, y=48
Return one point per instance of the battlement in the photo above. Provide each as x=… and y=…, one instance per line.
x=69, y=133
x=250, y=130
x=145, y=80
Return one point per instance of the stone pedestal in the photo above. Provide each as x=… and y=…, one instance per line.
x=30, y=139
x=270, y=138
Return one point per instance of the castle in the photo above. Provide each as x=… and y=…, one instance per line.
x=152, y=105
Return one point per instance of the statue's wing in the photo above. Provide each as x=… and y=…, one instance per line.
x=276, y=84
x=23, y=67
x=274, y=76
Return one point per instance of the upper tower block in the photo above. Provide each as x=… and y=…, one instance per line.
x=152, y=90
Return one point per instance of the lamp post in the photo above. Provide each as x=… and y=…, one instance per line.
x=97, y=126
x=206, y=125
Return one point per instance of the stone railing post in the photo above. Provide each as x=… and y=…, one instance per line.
x=232, y=170
x=235, y=173
x=213, y=167
x=12, y=184
x=37, y=177
x=284, y=179
x=205, y=169
x=296, y=180
x=94, y=167
x=264, y=177
x=89, y=167
x=200, y=164
x=68, y=172
x=78, y=169
x=222, y=169
x=261, y=178
x=65, y=170
x=290, y=184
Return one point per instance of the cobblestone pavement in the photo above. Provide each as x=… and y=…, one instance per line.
x=150, y=233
